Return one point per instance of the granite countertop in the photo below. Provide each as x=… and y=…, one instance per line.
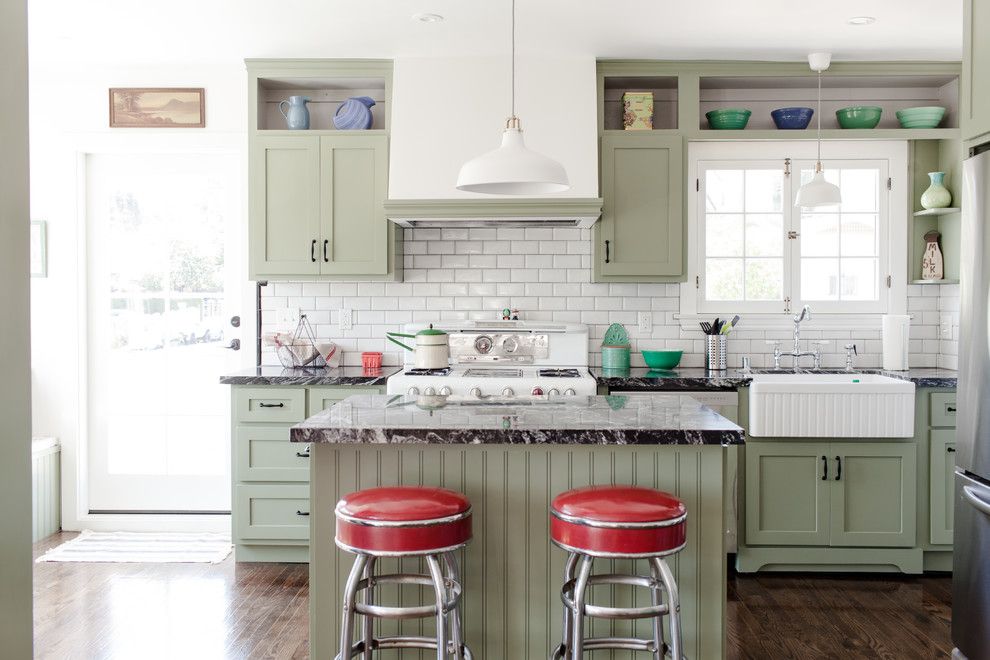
x=699, y=379
x=661, y=419
x=262, y=376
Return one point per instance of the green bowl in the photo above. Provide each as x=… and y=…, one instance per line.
x=859, y=116
x=924, y=117
x=734, y=119
x=662, y=359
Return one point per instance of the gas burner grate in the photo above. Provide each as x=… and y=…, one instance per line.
x=493, y=373
x=560, y=373
x=428, y=372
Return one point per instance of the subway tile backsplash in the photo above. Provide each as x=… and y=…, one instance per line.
x=456, y=274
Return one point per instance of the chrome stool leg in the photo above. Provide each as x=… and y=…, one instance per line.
x=369, y=599
x=455, y=614
x=565, y=636
x=673, y=604
x=350, y=596
x=440, y=589
x=656, y=599
x=577, y=614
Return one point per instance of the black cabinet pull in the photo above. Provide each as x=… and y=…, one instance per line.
x=950, y=409
x=312, y=251
x=326, y=243
x=271, y=405
x=302, y=454
x=606, y=251
x=824, y=468
x=951, y=450
x=302, y=513
x=838, y=468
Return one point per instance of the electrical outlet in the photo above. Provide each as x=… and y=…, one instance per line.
x=287, y=317
x=945, y=327
x=645, y=322
x=345, y=319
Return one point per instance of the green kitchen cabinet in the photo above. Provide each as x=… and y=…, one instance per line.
x=873, y=494
x=318, y=206
x=272, y=512
x=974, y=91
x=787, y=498
x=640, y=237
x=942, y=485
x=264, y=453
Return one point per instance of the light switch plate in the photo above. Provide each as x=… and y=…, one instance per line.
x=345, y=319
x=645, y=322
x=287, y=318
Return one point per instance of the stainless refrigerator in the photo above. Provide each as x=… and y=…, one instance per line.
x=971, y=549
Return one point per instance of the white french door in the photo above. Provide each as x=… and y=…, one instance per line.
x=165, y=278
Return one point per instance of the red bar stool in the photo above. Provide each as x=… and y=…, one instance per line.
x=403, y=522
x=618, y=522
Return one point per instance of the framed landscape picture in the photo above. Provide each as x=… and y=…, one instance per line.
x=157, y=107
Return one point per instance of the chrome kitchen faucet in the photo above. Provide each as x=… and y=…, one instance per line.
x=797, y=353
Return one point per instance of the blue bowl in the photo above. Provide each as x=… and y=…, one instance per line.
x=792, y=118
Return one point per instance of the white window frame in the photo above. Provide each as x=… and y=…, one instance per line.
x=892, y=156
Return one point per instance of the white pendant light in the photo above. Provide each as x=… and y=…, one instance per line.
x=818, y=192
x=512, y=169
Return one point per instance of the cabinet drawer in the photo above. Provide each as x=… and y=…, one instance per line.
x=272, y=512
x=943, y=409
x=321, y=398
x=269, y=404
x=264, y=453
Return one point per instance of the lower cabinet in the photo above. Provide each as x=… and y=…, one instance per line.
x=270, y=509
x=942, y=485
x=838, y=494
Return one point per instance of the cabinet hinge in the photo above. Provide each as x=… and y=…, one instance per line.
x=787, y=167
x=793, y=235
x=697, y=281
x=890, y=183
x=697, y=185
x=890, y=281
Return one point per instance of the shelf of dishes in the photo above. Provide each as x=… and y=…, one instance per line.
x=851, y=117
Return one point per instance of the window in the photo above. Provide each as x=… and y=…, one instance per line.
x=756, y=252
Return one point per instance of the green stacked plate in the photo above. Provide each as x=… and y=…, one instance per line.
x=923, y=117
x=728, y=119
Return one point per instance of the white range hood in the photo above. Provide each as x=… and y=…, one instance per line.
x=497, y=212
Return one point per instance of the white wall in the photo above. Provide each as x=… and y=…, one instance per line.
x=447, y=111
x=15, y=431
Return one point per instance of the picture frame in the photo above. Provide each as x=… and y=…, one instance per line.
x=157, y=107
x=39, y=248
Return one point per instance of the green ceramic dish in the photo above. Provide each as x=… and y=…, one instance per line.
x=924, y=117
x=662, y=359
x=734, y=119
x=859, y=116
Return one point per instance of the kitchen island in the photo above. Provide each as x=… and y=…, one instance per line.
x=511, y=457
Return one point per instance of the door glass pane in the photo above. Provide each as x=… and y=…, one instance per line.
x=724, y=279
x=819, y=279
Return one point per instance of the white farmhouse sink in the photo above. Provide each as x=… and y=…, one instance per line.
x=810, y=405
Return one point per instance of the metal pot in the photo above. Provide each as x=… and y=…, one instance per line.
x=432, y=347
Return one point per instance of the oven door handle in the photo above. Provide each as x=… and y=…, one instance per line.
x=978, y=502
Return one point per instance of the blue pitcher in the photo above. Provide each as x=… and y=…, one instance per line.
x=295, y=112
x=354, y=113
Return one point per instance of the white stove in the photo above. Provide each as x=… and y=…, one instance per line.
x=504, y=359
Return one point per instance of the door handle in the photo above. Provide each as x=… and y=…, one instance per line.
x=978, y=502
x=838, y=468
x=326, y=243
x=235, y=345
x=303, y=454
x=312, y=251
x=606, y=251
x=824, y=468
x=302, y=513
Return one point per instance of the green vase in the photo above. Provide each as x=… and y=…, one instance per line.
x=937, y=196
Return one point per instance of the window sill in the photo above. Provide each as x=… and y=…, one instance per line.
x=779, y=321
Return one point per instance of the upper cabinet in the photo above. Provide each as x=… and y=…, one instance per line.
x=975, y=94
x=317, y=195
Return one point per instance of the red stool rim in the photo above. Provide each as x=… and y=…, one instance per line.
x=629, y=519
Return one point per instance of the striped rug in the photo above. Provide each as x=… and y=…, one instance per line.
x=146, y=547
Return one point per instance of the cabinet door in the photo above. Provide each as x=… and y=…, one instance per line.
x=271, y=512
x=285, y=206
x=975, y=93
x=787, y=499
x=941, y=485
x=642, y=226
x=874, y=494
x=354, y=180
x=264, y=453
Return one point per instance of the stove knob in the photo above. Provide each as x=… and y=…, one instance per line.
x=510, y=344
x=413, y=391
x=476, y=392
x=553, y=392
x=445, y=391
x=537, y=391
x=569, y=392
x=507, y=391
x=429, y=391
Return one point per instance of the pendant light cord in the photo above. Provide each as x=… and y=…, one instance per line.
x=818, y=167
x=513, y=95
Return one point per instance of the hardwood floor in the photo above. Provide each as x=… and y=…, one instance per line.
x=230, y=610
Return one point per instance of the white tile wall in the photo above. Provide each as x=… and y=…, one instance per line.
x=456, y=274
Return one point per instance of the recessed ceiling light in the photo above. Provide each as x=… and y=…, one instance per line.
x=428, y=18
x=862, y=20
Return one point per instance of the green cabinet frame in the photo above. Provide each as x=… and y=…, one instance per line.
x=942, y=485
x=787, y=500
x=974, y=92
x=641, y=234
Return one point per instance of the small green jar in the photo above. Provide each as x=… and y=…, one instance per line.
x=615, y=357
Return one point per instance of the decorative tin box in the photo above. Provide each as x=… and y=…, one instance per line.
x=637, y=111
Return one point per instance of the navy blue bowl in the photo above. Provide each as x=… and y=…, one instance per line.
x=792, y=118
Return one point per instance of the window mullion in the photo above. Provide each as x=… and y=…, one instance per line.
x=790, y=224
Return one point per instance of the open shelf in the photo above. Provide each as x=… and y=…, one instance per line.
x=664, y=89
x=828, y=134
x=934, y=282
x=936, y=212
x=326, y=94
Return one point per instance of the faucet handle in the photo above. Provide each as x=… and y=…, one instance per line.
x=851, y=348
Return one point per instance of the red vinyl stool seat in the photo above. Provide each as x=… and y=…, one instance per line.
x=403, y=520
x=618, y=521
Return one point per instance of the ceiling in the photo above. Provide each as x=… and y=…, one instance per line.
x=135, y=31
